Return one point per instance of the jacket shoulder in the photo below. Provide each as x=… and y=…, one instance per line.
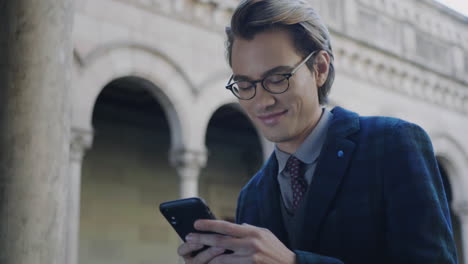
x=382, y=125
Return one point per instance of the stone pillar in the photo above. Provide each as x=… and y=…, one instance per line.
x=81, y=140
x=460, y=208
x=188, y=164
x=35, y=75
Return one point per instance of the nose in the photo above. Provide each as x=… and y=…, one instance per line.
x=263, y=99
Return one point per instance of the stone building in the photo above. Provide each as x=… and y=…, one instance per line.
x=149, y=118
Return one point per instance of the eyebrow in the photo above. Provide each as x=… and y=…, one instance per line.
x=270, y=71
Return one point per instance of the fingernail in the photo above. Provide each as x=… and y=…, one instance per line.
x=218, y=249
x=189, y=237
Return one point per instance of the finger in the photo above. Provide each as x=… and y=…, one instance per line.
x=186, y=249
x=214, y=240
x=223, y=227
x=207, y=255
x=228, y=259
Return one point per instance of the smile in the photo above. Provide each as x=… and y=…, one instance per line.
x=271, y=119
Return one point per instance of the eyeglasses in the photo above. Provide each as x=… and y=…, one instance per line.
x=275, y=83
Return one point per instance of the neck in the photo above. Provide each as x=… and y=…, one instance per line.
x=292, y=145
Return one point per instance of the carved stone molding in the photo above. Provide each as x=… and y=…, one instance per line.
x=446, y=25
x=402, y=77
x=210, y=14
x=428, y=16
x=416, y=31
x=184, y=158
x=188, y=164
x=424, y=32
x=81, y=140
x=416, y=60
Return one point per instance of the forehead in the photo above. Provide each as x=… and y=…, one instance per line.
x=265, y=51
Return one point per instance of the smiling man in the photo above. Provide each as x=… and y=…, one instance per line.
x=339, y=188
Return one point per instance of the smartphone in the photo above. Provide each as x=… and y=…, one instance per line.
x=183, y=213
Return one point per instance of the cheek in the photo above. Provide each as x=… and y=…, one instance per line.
x=307, y=95
x=305, y=82
x=303, y=100
x=247, y=107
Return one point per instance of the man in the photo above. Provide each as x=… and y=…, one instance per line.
x=339, y=188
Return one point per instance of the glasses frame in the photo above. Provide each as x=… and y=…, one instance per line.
x=262, y=81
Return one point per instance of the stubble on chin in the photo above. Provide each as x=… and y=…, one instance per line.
x=278, y=137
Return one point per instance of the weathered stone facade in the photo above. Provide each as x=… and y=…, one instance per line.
x=407, y=59
x=398, y=58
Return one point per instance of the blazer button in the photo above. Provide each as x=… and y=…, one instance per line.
x=340, y=153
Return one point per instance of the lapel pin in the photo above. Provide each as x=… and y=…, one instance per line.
x=340, y=153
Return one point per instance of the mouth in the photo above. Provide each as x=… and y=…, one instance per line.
x=272, y=119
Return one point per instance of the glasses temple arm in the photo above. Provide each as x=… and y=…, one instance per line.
x=303, y=62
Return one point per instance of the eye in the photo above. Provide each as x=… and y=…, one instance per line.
x=275, y=79
x=243, y=86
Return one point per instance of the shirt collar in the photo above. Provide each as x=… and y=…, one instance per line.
x=309, y=150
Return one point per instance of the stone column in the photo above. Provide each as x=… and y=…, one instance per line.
x=460, y=208
x=188, y=164
x=81, y=140
x=35, y=74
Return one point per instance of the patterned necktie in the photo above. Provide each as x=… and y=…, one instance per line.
x=298, y=182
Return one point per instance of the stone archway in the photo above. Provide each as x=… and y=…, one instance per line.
x=109, y=62
x=456, y=224
x=95, y=70
x=452, y=163
x=234, y=156
x=125, y=176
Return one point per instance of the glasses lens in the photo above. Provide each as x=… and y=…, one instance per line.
x=243, y=90
x=276, y=83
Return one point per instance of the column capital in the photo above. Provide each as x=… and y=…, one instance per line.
x=80, y=141
x=188, y=158
x=188, y=163
x=460, y=208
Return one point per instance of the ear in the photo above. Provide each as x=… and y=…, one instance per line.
x=322, y=62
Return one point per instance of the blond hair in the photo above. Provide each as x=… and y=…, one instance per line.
x=297, y=17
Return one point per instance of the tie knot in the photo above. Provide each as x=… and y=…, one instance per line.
x=293, y=165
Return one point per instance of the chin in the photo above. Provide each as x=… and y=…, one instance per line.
x=277, y=138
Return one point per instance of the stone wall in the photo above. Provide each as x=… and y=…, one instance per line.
x=407, y=59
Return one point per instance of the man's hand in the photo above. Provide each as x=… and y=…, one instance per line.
x=250, y=244
x=185, y=251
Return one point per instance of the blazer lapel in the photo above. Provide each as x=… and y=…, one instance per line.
x=331, y=167
x=268, y=199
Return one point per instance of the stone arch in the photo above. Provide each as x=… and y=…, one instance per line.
x=212, y=98
x=104, y=49
x=215, y=88
x=452, y=157
x=233, y=144
x=127, y=168
x=172, y=88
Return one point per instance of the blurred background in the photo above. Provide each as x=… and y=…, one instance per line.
x=151, y=120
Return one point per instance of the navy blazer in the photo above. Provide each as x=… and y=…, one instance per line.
x=376, y=197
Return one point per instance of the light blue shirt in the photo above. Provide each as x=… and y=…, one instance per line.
x=308, y=152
